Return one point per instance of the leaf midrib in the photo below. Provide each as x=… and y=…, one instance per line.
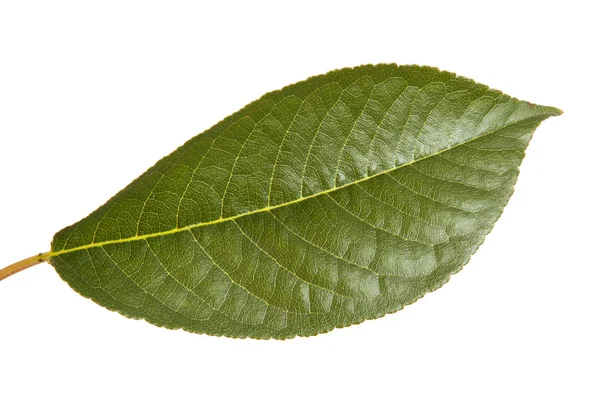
x=269, y=208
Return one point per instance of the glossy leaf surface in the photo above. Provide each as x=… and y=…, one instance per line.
x=337, y=199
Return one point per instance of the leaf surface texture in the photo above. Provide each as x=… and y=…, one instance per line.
x=334, y=200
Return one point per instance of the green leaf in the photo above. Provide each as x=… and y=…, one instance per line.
x=334, y=200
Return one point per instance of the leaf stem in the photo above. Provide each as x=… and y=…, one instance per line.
x=23, y=264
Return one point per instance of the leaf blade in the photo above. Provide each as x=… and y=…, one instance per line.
x=275, y=236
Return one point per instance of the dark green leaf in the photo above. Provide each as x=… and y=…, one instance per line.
x=334, y=200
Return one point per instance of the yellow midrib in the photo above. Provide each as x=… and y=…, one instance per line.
x=50, y=254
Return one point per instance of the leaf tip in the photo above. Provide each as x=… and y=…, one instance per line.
x=554, y=112
x=547, y=110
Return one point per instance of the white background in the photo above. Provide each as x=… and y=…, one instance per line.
x=92, y=94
